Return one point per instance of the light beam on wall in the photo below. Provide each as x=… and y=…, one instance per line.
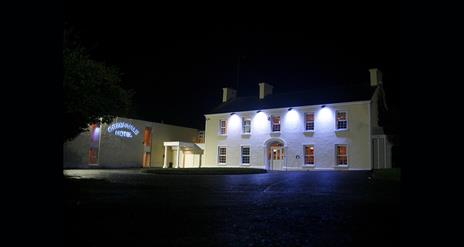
x=234, y=123
x=260, y=124
x=324, y=118
x=291, y=120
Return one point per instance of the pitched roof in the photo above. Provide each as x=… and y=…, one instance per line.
x=300, y=98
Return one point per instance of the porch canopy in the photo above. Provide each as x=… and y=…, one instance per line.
x=185, y=146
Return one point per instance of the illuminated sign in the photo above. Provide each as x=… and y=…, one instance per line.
x=123, y=129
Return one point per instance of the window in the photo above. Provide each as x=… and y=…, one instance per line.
x=309, y=154
x=309, y=121
x=246, y=126
x=342, y=120
x=342, y=155
x=245, y=155
x=222, y=127
x=222, y=155
x=275, y=123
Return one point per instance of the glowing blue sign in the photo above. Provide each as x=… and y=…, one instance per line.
x=116, y=127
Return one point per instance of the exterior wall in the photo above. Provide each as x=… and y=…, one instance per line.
x=119, y=152
x=164, y=133
x=376, y=129
x=76, y=152
x=324, y=138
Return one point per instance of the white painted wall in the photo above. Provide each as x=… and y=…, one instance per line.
x=292, y=133
x=121, y=152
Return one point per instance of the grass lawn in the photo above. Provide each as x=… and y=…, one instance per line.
x=205, y=171
x=393, y=174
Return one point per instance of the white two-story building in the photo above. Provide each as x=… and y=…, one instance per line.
x=332, y=128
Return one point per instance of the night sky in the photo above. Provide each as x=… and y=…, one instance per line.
x=179, y=61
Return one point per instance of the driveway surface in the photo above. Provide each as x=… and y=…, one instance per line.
x=318, y=208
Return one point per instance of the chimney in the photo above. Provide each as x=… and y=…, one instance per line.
x=264, y=89
x=228, y=94
x=376, y=77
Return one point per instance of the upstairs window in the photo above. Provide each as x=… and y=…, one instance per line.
x=275, y=122
x=309, y=154
x=222, y=127
x=246, y=126
x=342, y=155
x=342, y=120
x=222, y=151
x=245, y=155
x=309, y=121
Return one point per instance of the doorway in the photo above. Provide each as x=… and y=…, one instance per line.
x=147, y=147
x=276, y=156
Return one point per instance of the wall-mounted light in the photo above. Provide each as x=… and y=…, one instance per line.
x=289, y=109
x=322, y=106
x=258, y=111
x=232, y=113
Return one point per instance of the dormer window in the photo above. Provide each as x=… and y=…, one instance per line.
x=342, y=120
x=275, y=123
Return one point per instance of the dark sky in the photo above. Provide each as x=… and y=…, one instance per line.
x=179, y=61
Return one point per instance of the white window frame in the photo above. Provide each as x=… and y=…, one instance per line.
x=243, y=126
x=221, y=128
x=219, y=155
x=241, y=155
x=347, y=155
x=305, y=122
x=272, y=124
x=336, y=120
x=304, y=155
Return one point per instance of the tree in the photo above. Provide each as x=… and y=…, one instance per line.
x=92, y=91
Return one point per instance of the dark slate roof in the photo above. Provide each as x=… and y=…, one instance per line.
x=300, y=98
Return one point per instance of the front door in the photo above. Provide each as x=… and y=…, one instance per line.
x=147, y=147
x=276, y=157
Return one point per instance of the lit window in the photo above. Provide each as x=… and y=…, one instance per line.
x=309, y=154
x=342, y=120
x=222, y=155
x=246, y=126
x=245, y=155
x=309, y=121
x=275, y=123
x=222, y=127
x=342, y=155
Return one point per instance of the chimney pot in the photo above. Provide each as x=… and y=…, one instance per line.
x=228, y=94
x=376, y=77
x=264, y=90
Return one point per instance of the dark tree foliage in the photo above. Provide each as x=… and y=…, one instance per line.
x=92, y=90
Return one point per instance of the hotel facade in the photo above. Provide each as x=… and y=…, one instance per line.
x=330, y=129
x=324, y=129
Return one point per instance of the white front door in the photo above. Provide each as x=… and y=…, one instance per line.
x=277, y=161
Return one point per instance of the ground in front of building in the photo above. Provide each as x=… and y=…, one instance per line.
x=319, y=208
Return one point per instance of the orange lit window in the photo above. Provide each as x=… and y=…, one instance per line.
x=309, y=154
x=342, y=155
x=342, y=120
x=275, y=123
x=309, y=121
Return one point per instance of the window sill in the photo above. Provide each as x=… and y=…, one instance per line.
x=309, y=166
x=221, y=164
x=222, y=134
x=308, y=132
x=341, y=166
x=341, y=130
x=244, y=164
x=246, y=134
x=276, y=133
